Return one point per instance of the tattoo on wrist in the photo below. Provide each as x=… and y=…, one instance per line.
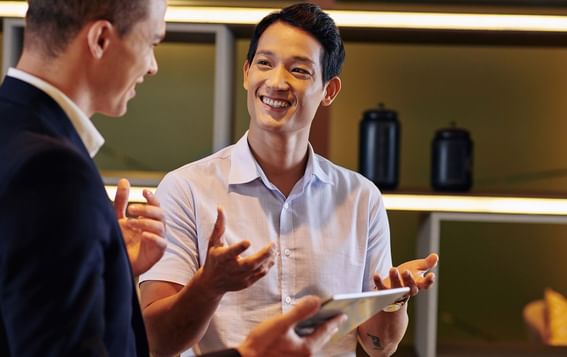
x=376, y=343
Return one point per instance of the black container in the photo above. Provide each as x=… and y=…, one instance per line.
x=379, y=152
x=451, y=160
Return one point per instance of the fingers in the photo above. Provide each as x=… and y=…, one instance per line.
x=150, y=198
x=146, y=211
x=395, y=278
x=121, y=198
x=409, y=281
x=432, y=260
x=258, y=274
x=236, y=249
x=427, y=263
x=216, y=236
x=304, y=308
x=146, y=225
x=262, y=257
x=157, y=241
x=380, y=284
x=324, y=332
x=427, y=281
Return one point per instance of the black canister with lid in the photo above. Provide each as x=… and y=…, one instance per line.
x=451, y=160
x=379, y=152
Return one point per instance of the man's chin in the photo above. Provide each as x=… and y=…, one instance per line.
x=115, y=112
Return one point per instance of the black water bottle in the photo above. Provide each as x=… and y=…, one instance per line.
x=379, y=153
x=451, y=160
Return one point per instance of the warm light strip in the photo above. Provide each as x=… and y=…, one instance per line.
x=441, y=203
x=216, y=15
x=484, y=204
x=13, y=8
x=136, y=193
x=345, y=18
x=380, y=19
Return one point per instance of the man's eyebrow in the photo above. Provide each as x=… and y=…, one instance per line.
x=303, y=59
x=265, y=53
x=295, y=58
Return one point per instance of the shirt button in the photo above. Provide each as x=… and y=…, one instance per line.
x=288, y=300
x=287, y=252
x=285, y=205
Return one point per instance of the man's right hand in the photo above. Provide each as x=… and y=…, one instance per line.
x=276, y=336
x=225, y=270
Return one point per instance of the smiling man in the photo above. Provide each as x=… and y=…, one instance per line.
x=327, y=225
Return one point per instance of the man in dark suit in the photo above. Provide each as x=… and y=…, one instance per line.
x=67, y=255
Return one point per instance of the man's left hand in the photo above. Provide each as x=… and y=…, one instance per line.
x=415, y=274
x=143, y=231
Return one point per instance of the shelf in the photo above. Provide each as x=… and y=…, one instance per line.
x=451, y=203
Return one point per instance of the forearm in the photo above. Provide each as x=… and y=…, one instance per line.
x=177, y=322
x=381, y=334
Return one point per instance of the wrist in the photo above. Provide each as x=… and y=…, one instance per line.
x=396, y=306
x=205, y=287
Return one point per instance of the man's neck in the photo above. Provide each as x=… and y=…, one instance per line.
x=56, y=72
x=283, y=157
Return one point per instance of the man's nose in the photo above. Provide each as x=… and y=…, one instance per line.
x=152, y=70
x=278, y=78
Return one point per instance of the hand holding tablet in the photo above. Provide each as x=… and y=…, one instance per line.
x=359, y=307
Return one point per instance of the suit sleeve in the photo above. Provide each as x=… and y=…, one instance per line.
x=51, y=256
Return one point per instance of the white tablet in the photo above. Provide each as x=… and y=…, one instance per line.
x=359, y=307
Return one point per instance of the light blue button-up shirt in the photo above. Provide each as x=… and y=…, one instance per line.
x=331, y=230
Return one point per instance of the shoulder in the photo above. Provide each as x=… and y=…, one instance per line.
x=37, y=160
x=213, y=167
x=345, y=178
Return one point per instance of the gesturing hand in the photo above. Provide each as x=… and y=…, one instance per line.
x=413, y=274
x=144, y=233
x=225, y=270
x=276, y=337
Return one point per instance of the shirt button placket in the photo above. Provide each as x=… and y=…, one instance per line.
x=286, y=232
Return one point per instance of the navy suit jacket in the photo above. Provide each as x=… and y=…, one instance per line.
x=66, y=288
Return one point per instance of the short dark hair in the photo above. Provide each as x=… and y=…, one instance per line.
x=311, y=19
x=52, y=24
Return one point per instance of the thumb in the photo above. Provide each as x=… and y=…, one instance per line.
x=432, y=260
x=306, y=307
x=215, y=239
x=121, y=198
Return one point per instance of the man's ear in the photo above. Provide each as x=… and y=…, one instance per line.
x=99, y=37
x=245, y=69
x=333, y=87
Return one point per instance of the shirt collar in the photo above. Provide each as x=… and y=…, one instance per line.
x=244, y=168
x=314, y=167
x=242, y=163
x=90, y=136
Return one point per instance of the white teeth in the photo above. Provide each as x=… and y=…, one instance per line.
x=275, y=103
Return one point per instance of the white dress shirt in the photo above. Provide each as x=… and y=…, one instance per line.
x=331, y=230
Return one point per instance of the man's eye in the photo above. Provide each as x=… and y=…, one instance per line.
x=301, y=71
x=262, y=63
